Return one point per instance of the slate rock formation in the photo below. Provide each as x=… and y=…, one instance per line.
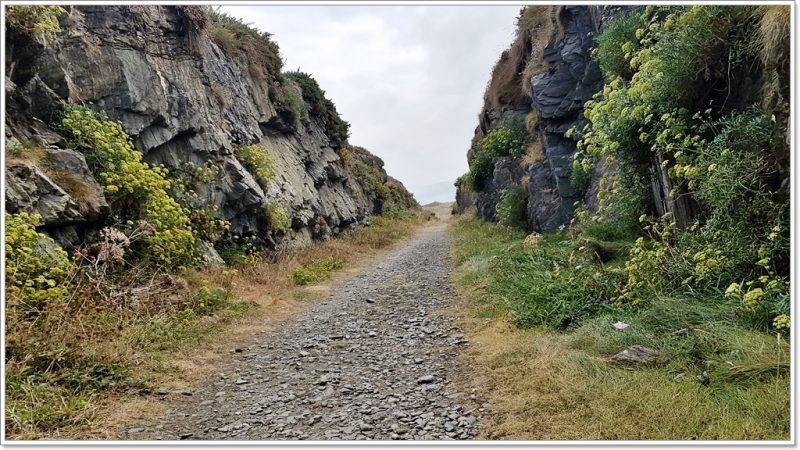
x=553, y=46
x=182, y=98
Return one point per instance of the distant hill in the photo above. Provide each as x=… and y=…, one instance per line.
x=443, y=191
x=443, y=210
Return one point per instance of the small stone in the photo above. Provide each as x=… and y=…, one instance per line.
x=620, y=326
x=304, y=354
x=637, y=354
x=426, y=379
x=372, y=334
x=183, y=436
x=135, y=430
x=241, y=381
x=162, y=391
x=370, y=300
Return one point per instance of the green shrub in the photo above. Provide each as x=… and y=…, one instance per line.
x=278, y=216
x=37, y=269
x=481, y=170
x=620, y=202
x=617, y=44
x=34, y=19
x=509, y=139
x=130, y=181
x=205, y=220
x=237, y=38
x=511, y=209
x=296, y=107
x=316, y=271
x=582, y=172
x=237, y=250
x=322, y=108
x=256, y=160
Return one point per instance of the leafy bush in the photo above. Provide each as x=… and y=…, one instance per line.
x=617, y=44
x=316, y=271
x=296, y=107
x=277, y=216
x=509, y=139
x=237, y=38
x=582, y=172
x=37, y=269
x=322, y=108
x=481, y=170
x=511, y=209
x=256, y=160
x=132, y=182
x=205, y=220
x=237, y=250
x=34, y=19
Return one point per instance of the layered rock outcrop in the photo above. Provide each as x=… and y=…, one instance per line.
x=553, y=76
x=182, y=98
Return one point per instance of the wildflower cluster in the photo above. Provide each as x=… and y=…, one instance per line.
x=128, y=179
x=256, y=160
x=37, y=270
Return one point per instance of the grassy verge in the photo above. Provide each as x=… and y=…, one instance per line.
x=98, y=357
x=541, y=319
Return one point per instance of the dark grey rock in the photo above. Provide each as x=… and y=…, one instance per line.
x=182, y=100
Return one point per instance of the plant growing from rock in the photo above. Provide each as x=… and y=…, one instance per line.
x=256, y=160
x=131, y=182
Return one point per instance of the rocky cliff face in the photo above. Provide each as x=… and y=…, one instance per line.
x=181, y=98
x=547, y=75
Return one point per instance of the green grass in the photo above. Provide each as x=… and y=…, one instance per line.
x=557, y=297
x=316, y=271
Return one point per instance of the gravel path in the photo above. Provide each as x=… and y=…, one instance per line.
x=375, y=360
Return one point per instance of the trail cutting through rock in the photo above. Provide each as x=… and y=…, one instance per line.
x=377, y=359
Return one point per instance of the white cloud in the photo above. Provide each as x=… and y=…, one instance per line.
x=409, y=79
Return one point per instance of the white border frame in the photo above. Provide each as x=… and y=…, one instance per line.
x=422, y=444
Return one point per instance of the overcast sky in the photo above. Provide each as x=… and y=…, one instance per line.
x=409, y=79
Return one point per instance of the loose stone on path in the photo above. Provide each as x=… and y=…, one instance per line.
x=375, y=360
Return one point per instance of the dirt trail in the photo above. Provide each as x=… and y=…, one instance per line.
x=375, y=360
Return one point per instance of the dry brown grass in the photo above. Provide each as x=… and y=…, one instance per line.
x=531, y=120
x=510, y=81
x=534, y=154
x=543, y=27
x=772, y=44
x=87, y=198
x=773, y=34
